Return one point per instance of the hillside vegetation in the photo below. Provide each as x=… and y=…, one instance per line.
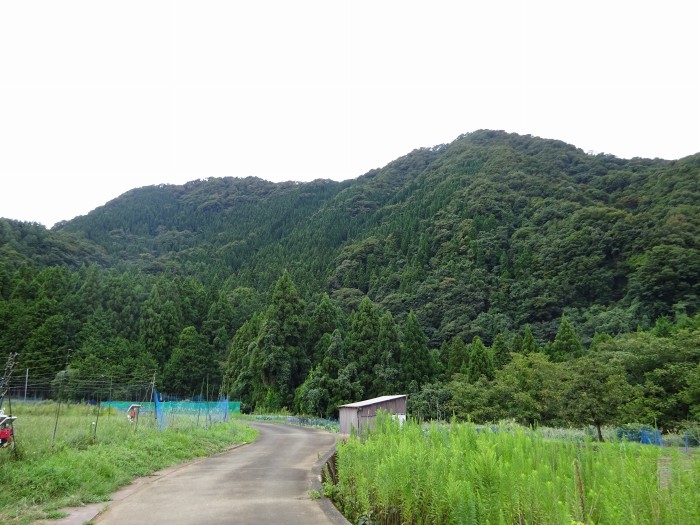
x=421, y=276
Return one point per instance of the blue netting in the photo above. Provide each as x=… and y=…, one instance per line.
x=167, y=412
x=650, y=437
x=160, y=413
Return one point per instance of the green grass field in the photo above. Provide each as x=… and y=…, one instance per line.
x=459, y=474
x=93, y=456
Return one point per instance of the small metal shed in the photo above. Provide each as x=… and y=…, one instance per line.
x=362, y=413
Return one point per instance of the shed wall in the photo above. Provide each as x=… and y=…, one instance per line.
x=358, y=417
x=348, y=419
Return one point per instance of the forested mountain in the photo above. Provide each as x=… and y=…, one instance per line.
x=294, y=290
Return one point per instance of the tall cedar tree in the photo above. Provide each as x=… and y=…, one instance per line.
x=415, y=357
x=325, y=320
x=240, y=372
x=458, y=360
x=281, y=361
x=363, y=344
x=480, y=361
x=387, y=372
x=192, y=364
x=500, y=351
x=566, y=345
x=529, y=345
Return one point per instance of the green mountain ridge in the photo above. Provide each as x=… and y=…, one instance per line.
x=484, y=236
x=537, y=226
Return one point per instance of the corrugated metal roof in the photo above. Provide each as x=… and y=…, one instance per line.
x=374, y=401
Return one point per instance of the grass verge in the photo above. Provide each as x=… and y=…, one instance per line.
x=93, y=455
x=461, y=474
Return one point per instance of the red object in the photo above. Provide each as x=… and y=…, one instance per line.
x=5, y=434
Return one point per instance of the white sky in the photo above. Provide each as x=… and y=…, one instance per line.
x=100, y=97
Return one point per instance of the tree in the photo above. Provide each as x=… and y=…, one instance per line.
x=566, y=345
x=312, y=396
x=691, y=393
x=595, y=392
x=529, y=344
x=191, y=364
x=480, y=361
x=516, y=344
x=431, y=403
x=415, y=358
x=458, y=359
x=218, y=326
x=46, y=350
x=528, y=389
x=472, y=401
x=387, y=375
x=324, y=320
x=281, y=361
x=241, y=376
x=500, y=351
x=362, y=343
x=161, y=326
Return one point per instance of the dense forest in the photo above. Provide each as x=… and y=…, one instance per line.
x=498, y=276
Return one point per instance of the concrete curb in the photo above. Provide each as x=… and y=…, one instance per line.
x=332, y=513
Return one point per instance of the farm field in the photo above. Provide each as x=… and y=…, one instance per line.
x=93, y=456
x=462, y=474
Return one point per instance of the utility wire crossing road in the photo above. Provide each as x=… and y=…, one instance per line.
x=266, y=482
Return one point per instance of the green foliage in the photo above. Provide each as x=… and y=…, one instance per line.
x=566, y=343
x=90, y=462
x=495, y=235
x=480, y=361
x=500, y=351
x=414, y=361
x=596, y=393
x=529, y=345
x=458, y=360
x=362, y=344
x=192, y=366
x=460, y=474
x=691, y=393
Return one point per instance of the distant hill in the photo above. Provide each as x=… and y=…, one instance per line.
x=484, y=234
x=425, y=276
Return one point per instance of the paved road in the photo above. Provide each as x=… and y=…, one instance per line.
x=266, y=482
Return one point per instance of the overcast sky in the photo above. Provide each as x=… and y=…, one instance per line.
x=100, y=97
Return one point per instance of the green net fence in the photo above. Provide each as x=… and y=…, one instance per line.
x=167, y=412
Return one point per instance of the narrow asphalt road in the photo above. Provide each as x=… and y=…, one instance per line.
x=266, y=482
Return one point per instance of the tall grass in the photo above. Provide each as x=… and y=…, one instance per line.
x=463, y=475
x=92, y=456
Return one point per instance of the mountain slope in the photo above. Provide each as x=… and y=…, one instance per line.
x=482, y=235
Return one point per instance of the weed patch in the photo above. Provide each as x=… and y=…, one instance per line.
x=85, y=465
x=459, y=474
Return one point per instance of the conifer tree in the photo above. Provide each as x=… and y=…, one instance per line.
x=480, y=361
x=566, y=344
x=363, y=343
x=191, y=363
x=240, y=374
x=500, y=351
x=516, y=344
x=324, y=320
x=386, y=372
x=161, y=326
x=599, y=338
x=281, y=361
x=458, y=360
x=529, y=345
x=415, y=358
